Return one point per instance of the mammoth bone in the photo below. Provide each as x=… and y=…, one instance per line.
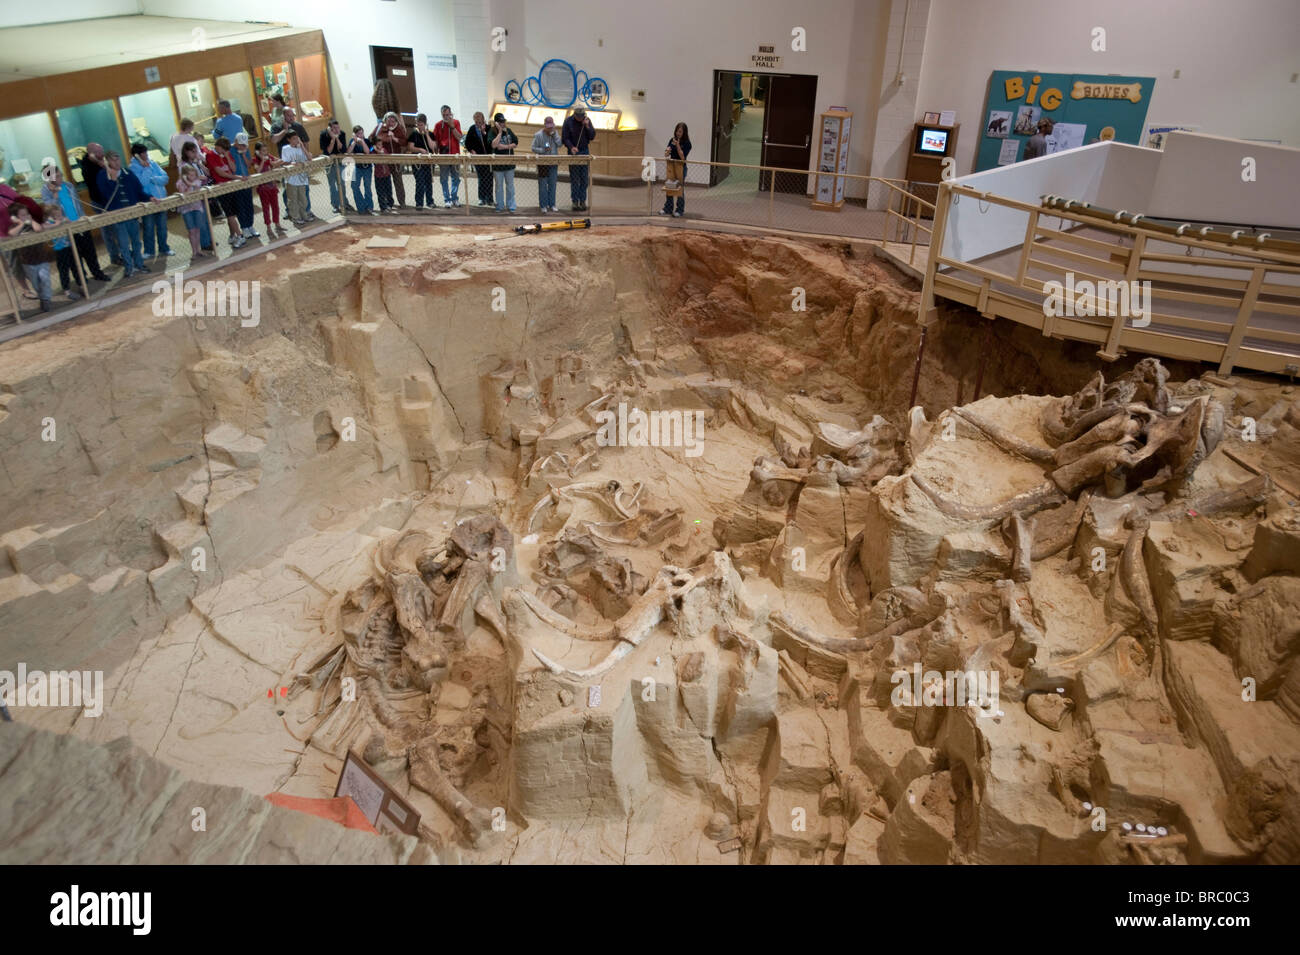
x=610, y=494
x=662, y=598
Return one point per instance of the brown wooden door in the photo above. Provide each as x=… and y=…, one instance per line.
x=724, y=87
x=397, y=64
x=788, y=121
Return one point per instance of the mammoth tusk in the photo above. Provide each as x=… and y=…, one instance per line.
x=781, y=622
x=1003, y=438
x=546, y=500
x=1029, y=502
x=563, y=623
x=616, y=654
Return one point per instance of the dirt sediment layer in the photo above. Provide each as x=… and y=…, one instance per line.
x=627, y=548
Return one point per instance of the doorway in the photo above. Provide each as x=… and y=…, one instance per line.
x=764, y=119
x=397, y=65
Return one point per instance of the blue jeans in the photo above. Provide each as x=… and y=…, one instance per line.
x=505, y=179
x=39, y=276
x=449, y=195
x=334, y=175
x=110, y=242
x=361, y=176
x=681, y=204
x=155, y=231
x=547, y=177
x=578, y=181
x=128, y=240
x=423, y=186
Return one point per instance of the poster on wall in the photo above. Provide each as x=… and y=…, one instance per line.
x=1066, y=136
x=999, y=124
x=1153, y=136
x=1091, y=108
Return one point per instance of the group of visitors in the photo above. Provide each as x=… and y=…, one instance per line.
x=495, y=182
x=112, y=185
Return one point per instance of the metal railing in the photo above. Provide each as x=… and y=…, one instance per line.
x=1224, y=299
x=764, y=198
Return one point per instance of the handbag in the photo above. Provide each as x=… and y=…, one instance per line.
x=674, y=176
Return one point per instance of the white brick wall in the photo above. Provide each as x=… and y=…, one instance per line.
x=472, y=26
x=897, y=109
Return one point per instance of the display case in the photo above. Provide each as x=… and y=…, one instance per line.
x=612, y=150
x=832, y=160
x=144, y=96
x=89, y=123
x=195, y=100
x=238, y=88
x=149, y=119
x=269, y=80
x=25, y=142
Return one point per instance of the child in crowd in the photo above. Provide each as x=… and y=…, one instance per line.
x=362, y=173
x=35, y=259
x=193, y=213
x=296, y=185
x=267, y=192
x=62, y=252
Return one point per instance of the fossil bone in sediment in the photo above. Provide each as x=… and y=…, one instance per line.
x=1003, y=438
x=1027, y=502
x=669, y=586
x=609, y=494
x=1020, y=532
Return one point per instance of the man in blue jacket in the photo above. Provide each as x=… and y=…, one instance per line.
x=153, y=180
x=120, y=189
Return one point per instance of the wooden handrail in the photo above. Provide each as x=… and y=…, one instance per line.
x=1243, y=298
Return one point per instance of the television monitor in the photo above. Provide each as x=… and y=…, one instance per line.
x=932, y=140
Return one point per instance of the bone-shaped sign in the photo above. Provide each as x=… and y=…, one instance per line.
x=1129, y=91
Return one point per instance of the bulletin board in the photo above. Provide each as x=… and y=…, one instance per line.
x=1091, y=107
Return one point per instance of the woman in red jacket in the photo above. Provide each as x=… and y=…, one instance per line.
x=221, y=167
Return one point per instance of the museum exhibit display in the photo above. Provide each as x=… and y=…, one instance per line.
x=867, y=454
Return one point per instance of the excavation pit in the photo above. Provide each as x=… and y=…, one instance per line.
x=584, y=542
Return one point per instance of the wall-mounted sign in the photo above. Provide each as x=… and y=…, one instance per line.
x=442, y=61
x=558, y=85
x=766, y=58
x=1129, y=91
x=151, y=74
x=1082, y=109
